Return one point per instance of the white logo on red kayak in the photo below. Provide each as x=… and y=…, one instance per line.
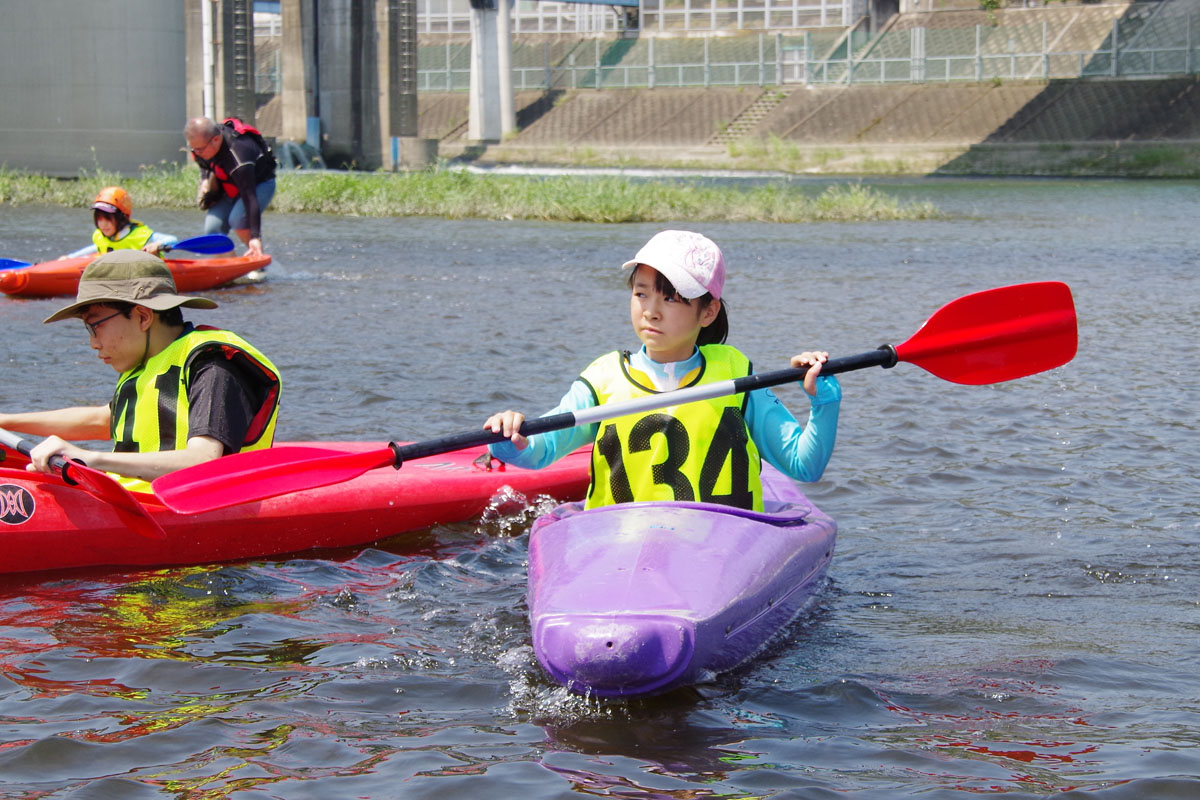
x=16, y=504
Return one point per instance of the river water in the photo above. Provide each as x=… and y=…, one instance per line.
x=1013, y=607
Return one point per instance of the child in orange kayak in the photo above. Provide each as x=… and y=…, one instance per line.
x=706, y=451
x=111, y=211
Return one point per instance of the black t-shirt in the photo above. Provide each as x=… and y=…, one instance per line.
x=221, y=401
x=224, y=396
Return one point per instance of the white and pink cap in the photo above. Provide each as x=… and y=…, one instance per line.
x=691, y=262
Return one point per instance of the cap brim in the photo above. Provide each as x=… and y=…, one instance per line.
x=107, y=208
x=685, y=284
x=160, y=302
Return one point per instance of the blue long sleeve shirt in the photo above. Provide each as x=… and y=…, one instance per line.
x=799, y=451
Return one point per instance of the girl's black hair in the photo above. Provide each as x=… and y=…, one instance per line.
x=716, y=331
x=118, y=217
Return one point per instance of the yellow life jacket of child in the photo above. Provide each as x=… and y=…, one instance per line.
x=136, y=239
x=699, y=451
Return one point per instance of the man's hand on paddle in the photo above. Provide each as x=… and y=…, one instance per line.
x=43, y=451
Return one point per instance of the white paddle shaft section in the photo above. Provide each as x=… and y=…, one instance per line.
x=885, y=356
x=651, y=402
x=14, y=442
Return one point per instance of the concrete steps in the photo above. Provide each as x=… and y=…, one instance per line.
x=748, y=120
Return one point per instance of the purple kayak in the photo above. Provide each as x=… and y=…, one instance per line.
x=640, y=598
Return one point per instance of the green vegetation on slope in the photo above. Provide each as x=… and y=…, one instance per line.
x=461, y=195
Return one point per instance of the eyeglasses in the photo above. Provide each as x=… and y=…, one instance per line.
x=95, y=326
x=196, y=150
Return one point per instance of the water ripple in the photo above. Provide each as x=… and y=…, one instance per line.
x=1011, y=609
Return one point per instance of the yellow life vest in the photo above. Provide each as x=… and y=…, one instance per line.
x=136, y=239
x=150, y=405
x=698, y=451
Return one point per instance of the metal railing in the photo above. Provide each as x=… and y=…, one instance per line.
x=777, y=59
x=1176, y=55
x=684, y=16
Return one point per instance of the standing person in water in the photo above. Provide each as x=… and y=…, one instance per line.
x=706, y=451
x=237, y=177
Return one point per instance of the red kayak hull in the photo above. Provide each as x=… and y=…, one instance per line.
x=46, y=524
x=61, y=277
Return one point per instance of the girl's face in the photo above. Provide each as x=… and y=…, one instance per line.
x=107, y=223
x=668, y=326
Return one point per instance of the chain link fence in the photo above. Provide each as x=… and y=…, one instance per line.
x=1139, y=40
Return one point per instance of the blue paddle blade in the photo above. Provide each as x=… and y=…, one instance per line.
x=209, y=243
x=12, y=263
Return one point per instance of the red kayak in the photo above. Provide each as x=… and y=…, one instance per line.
x=61, y=277
x=47, y=524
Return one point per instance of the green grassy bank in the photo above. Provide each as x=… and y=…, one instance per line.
x=461, y=195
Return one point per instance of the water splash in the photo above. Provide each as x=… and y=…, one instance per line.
x=509, y=512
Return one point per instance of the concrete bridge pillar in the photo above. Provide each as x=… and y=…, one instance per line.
x=490, y=108
x=398, y=88
x=348, y=72
x=219, y=59
x=300, y=116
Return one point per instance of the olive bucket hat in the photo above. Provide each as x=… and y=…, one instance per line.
x=128, y=276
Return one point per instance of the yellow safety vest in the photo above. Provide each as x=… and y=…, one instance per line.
x=150, y=405
x=136, y=239
x=698, y=451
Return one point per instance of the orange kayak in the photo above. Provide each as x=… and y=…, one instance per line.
x=61, y=277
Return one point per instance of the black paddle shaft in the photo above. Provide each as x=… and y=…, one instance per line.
x=59, y=463
x=885, y=356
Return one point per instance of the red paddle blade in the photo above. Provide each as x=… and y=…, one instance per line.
x=109, y=490
x=997, y=335
x=260, y=474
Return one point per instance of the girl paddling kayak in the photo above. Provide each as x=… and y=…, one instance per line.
x=709, y=451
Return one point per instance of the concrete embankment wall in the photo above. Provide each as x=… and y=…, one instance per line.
x=1070, y=127
x=86, y=85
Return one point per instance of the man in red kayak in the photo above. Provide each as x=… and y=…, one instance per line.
x=237, y=171
x=186, y=394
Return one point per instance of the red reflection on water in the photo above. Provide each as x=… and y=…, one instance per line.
x=1040, y=751
x=985, y=732
x=17, y=743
